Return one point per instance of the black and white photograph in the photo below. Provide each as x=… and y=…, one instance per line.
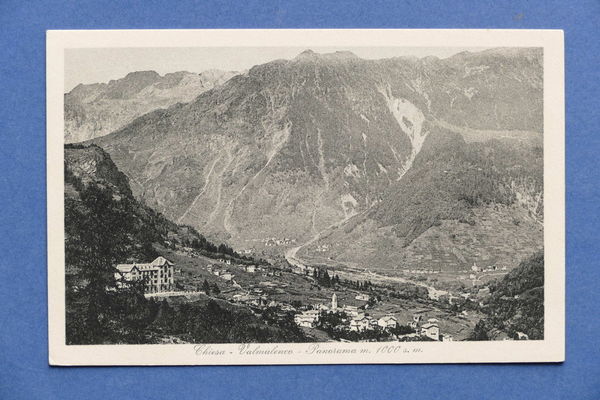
x=306, y=197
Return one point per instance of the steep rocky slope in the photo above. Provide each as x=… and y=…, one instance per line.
x=292, y=148
x=105, y=224
x=97, y=109
x=460, y=203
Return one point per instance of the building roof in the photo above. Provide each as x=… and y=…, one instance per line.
x=429, y=325
x=311, y=312
x=125, y=268
x=158, y=262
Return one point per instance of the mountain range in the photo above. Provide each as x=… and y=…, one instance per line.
x=97, y=109
x=375, y=163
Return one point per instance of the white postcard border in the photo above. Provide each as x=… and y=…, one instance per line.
x=551, y=349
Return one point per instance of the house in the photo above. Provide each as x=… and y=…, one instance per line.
x=475, y=268
x=363, y=297
x=415, y=321
x=258, y=301
x=299, y=270
x=251, y=269
x=227, y=276
x=387, y=322
x=360, y=324
x=447, y=338
x=431, y=330
x=240, y=298
x=522, y=336
x=304, y=321
x=158, y=275
x=307, y=319
x=352, y=311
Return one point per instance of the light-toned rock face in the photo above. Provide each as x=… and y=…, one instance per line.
x=95, y=110
x=328, y=143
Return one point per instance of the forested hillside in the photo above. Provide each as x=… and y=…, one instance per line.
x=105, y=225
x=516, y=303
x=451, y=177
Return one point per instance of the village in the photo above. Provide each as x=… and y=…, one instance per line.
x=354, y=319
x=325, y=307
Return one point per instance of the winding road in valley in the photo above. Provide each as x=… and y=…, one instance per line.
x=291, y=255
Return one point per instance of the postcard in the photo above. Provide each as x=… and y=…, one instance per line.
x=231, y=197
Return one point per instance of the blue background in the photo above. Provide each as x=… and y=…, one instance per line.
x=24, y=371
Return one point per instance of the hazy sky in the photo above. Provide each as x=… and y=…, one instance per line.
x=104, y=64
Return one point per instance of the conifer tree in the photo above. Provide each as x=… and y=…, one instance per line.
x=206, y=287
x=215, y=289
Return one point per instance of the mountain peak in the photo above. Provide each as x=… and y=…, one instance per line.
x=142, y=74
x=345, y=54
x=309, y=55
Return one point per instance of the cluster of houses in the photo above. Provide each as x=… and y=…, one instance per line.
x=421, y=271
x=227, y=275
x=359, y=322
x=257, y=298
x=323, y=248
x=303, y=270
x=252, y=299
x=489, y=268
x=270, y=242
x=429, y=329
x=474, y=269
x=221, y=273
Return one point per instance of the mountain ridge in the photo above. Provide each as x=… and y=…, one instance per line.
x=291, y=148
x=93, y=110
